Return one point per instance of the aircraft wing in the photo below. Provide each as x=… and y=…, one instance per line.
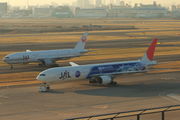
x=28, y=51
x=73, y=64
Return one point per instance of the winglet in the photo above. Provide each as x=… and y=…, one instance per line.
x=73, y=64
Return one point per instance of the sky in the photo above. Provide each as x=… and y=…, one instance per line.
x=65, y=2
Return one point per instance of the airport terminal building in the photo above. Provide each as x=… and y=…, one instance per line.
x=90, y=13
x=138, y=11
x=3, y=8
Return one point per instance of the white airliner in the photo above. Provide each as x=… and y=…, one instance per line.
x=47, y=57
x=97, y=73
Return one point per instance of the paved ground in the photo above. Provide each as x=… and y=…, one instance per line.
x=77, y=98
x=20, y=99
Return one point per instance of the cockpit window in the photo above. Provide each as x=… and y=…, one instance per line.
x=7, y=57
x=42, y=75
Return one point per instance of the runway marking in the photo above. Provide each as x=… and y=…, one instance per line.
x=168, y=78
x=174, y=96
x=2, y=96
x=101, y=106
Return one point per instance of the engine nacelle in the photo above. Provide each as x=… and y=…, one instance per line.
x=48, y=62
x=105, y=80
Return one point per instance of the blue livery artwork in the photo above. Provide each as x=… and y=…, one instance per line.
x=116, y=68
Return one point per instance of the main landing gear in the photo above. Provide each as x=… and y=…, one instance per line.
x=11, y=67
x=104, y=82
x=44, y=87
x=113, y=83
x=53, y=65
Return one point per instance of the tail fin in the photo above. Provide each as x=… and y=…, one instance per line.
x=147, y=59
x=81, y=44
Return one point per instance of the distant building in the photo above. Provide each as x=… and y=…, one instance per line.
x=150, y=11
x=175, y=13
x=20, y=13
x=3, y=8
x=141, y=11
x=120, y=11
x=83, y=4
x=62, y=12
x=122, y=3
x=91, y=13
x=99, y=3
x=42, y=12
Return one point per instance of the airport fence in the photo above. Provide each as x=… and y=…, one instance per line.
x=137, y=113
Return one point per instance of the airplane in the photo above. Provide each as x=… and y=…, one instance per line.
x=47, y=57
x=102, y=74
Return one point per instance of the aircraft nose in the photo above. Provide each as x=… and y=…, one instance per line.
x=41, y=77
x=37, y=78
x=4, y=59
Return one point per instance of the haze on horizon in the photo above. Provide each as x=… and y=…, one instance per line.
x=70, y=2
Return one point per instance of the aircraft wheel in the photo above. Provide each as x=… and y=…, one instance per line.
x=44, y=87
x=114, y=83
x=40, y=65
x=55, y=65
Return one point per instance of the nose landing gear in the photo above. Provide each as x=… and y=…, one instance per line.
x=44, y=87
x=11, y=66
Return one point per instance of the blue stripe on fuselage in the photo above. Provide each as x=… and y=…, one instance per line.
x=116, y=68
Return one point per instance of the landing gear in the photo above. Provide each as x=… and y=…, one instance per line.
x=44, y=87
x=95, y=81
x=55, y=65
x=40, y=65
x=102, y=82
x=43, y=65
x=11, y=67
x=113, y=83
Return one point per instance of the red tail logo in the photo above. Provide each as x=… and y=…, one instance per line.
x=83, y=38
x=151, y=49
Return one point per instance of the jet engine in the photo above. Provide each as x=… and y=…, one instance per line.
x=104, y=80
x=48, y=62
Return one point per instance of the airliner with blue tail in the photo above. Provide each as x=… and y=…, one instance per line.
x=97, y=73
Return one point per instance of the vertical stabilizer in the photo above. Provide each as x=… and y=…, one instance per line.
x=147, y=59
x=81, y=44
